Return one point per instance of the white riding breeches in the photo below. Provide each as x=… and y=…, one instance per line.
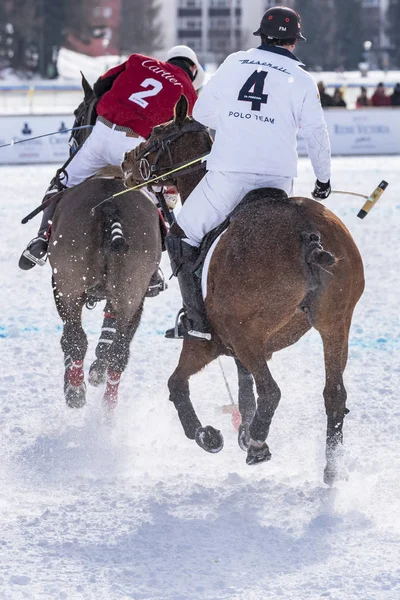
x=215, y=197
x=104, y=146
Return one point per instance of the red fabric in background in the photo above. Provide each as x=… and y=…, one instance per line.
x=380, y=100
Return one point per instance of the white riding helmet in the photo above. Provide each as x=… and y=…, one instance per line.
x=186, y=52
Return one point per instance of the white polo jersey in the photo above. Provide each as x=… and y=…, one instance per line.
x=257, y=101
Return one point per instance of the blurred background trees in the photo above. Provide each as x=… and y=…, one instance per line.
x=335, y=32
x=33, y=31
x=140, y=29
x=339, y=32
x=317, y=27
x=393, y=29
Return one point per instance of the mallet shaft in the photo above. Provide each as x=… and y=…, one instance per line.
x=347, y=193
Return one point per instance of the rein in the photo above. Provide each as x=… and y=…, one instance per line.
x=162, y=145
x=148, y=172
x=145, y=183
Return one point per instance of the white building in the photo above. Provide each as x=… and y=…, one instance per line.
x=213, y=28
x=375, y=21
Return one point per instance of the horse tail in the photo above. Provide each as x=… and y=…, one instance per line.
x=113, y=227
x=315, y=255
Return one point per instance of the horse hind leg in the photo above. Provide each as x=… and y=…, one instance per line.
x=98, y=369
x=118, y=356
x=74, y=346
x=247, y=404
x=335, y=342
x=251, y=354
x=268, y=399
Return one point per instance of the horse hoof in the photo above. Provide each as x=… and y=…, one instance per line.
x=244, y=436
x=75, y=397
x=258, y=454
x=97, y=373
x=109, y=417
x=329, y=476
x=332, y=475
x=209, y=439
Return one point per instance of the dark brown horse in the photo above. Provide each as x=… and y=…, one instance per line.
x=89, y=264
x=270, y=280
x=106, y=253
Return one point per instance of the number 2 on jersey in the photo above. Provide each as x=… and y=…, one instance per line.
x=256, y=97
x=139, y=97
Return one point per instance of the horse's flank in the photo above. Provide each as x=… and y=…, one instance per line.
x=263, y=252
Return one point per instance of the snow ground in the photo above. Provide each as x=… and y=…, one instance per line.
x=140, y=512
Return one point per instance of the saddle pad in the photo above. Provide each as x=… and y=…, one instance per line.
x=212, y=238
x=206, y=264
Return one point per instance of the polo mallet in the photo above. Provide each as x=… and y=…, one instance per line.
x=38, y=137
x=232, y=408
x=370, y=200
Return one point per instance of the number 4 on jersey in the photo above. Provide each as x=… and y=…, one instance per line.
x=252, y=91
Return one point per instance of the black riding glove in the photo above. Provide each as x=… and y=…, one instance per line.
x=321, y=190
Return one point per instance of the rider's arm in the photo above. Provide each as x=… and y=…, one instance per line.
x=206, y=109
x=105, y=82
x=315, y=132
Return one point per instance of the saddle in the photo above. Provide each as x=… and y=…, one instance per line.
x=108, y=172
x=113, y=172
x=258, y=195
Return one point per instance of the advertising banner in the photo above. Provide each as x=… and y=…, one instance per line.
x=352, y=132
x=51, y=149
x=363, y=131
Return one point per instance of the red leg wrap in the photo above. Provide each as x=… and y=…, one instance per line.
x=111, y=394
x=75, y=373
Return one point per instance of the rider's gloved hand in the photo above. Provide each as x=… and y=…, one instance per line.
x=321, y=190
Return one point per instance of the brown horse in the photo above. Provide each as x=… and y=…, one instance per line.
x=270, y=280
x=91, y=262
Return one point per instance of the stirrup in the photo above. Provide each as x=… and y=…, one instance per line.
x=160, y=285
x=29, y=260
x=182, y=330
x=38, y=261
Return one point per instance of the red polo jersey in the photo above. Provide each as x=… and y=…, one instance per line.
x=144, y=93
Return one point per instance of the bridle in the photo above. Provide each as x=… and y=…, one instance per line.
x=85, y=114
x=162, y=145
